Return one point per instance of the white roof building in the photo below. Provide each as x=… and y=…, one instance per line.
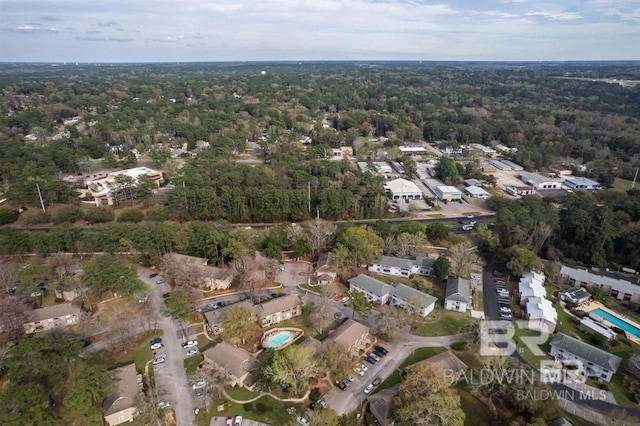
x=412, y=150
x=541, y=314
x=476, y=192
x=531, y=285
x=103, y=190
x=540, y=181
x=402, y=188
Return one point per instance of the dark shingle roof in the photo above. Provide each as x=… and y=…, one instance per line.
x=458, y=289
x=586, y=351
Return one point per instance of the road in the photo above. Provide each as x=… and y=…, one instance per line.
x=170, y=376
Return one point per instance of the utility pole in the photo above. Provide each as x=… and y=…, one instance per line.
x=309, y=195
x=40, y=196
x=634, y=178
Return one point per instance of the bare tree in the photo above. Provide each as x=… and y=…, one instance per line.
x=9, y=276
x=322, y=311
x=321, y=235
x=463, y=257
x=13, y=315
x=62, y=264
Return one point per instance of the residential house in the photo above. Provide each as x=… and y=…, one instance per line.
x=411, y=299
x=531, y=285
x=398, y=189
x=381, y=405
x=576, y=295
x=447, y=363
x=235, y=361
x=351, y=335
x=476, y=192
x=107, y=191
x=540, y=314
x=617, y=285
x=325, y=272
x=582, y=183
x=121, y=404
x=50, y=317
x=458, y=295
x=214, y=318
x=196, y=271
x=595, y=328
x=597, y=363
x=279, y=309
x=448, y=193
x=343, y=151
x=374, y=290
x=400, y=267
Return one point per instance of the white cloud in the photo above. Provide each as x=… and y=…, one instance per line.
x=557, y=16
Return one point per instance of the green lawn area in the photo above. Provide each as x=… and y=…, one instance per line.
x=264, y=409
x=621, y=184
x=523, y=349
x=441, y=323
x=141, y=354
x=191, y=363
x=309, y=288
x=475, y=411
x=241, y=394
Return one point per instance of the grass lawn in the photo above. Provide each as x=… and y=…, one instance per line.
x=309, y=288
x=265, y=409
x=141, y=354
x=621, y=184
x=441, y=323
x=523, y=349
x=241, y=394
x=114, y=309
x=475, y=411
x=191, y=363
x=436, y=215
x=618, y=389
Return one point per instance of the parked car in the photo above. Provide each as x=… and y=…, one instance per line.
x=153, y=275
x=302, y=421
x=156, y=346
x=229, y=421
x=370, y=360
x=378, y=352
x=158, y=360
x=199, y=384
x=368, y=389
x=376, y=381
x=362, y=366
x=505, y=309
x=237, y=421
x=166, y=295
x=350, y=378
x=374, y=356
x=163, y=404
x=381, y=349
x=344, y=300
x=156, y=340
x=340, y=384
x=322, y=403
x=222, y=304
x=192, y=352
x=190, y=344
x=337, y=315
x=160, y=281
x=243, y=298
x=358, y=370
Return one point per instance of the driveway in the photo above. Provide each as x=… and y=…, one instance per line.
x=170, y=376
x=220, y=421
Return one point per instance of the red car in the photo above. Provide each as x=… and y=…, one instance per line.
x=166, y=295
x=229, y=421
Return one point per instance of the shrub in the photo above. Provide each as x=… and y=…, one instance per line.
x=95, y=214
x=248, y=407
x=459, y=346
x=8, y=216
x=158, y=213
x=603, y=386
x=131, y=214
x=67, y=213
x=261, y=408
x=36, y=217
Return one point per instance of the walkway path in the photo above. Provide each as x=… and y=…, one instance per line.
x=237, y=401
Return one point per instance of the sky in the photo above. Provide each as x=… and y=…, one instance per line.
x=299, y=30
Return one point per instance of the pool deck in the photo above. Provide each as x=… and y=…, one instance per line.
x=597, y=305
x=294, y=333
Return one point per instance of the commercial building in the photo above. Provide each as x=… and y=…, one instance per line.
x=540, y=181
x=398, y=189
x=473, y=182
x=476, y=192
x=412, y=150
x=582, y=183
x=520, y=190
x=447, y=193
x=108, y=191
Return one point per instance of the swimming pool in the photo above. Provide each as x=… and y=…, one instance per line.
x=277, y=339
x=618, y=322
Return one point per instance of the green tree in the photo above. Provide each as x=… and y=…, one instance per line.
x=333, y=359
x=324, y=417
x=447, y=170
x=519, y=260
x=294, y=365
x=424, y=398
x=359, y=302
x=178, y=305
x=437, y=231
x=67, y=213
x=363, y=244
x=239, y=322
x=131, y=214
x=25, y=405
x=107, y=272
x=159, y=156
x=441, y=268
x=88, y=387
x=95, y=214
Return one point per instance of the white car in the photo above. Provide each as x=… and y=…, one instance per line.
x=344, y=300
x=362, y=367
x=358, y=370
x=302, y=421
x=192, y=352
x=368, y=389
x=163, y=404
x=156, y=346
x=507, y=310
x=190, y=344
x=160, y=281
x=199, y=384
x=158, y=360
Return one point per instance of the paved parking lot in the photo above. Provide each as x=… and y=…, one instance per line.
x=220, y=421
x=294, y=273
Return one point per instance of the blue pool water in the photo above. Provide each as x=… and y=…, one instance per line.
x=277, y=339
x=629, y=328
